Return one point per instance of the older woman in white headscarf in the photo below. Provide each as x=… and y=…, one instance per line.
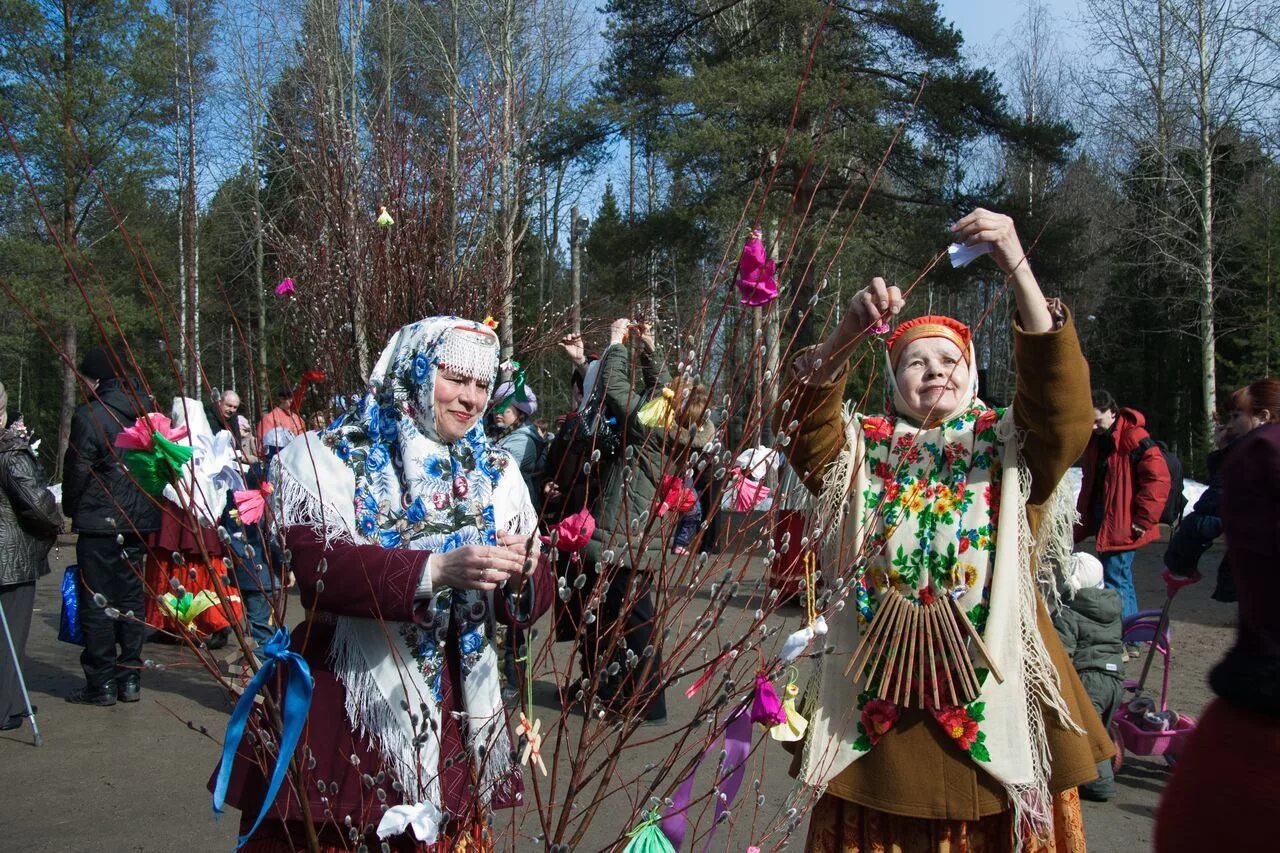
x=411, y=541
x=958, y=722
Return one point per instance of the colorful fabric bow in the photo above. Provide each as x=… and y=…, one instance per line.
x=794, y=727
x=187, y=607
x=648, y=838
x=298, y=685
x=755, y=273
x=520, y=392
x=766, y=708
x=658, y=412
x=574, y=531
x=251, y=502
x=149, y=452
x=533, y=742
x=141, y=436
x=285, y=287
x=798, y=641
x=735, y=750
x=423, y=819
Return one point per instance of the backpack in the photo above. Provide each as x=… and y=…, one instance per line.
x=593, y=428
x=1177, y=501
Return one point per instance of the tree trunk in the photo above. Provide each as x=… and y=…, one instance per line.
x=1208, y=346
x=70, y=343
x=179, y=151
x=453, y=89
x=260, y=285
x=192, y=260
x=575, y=259
x=506, y=331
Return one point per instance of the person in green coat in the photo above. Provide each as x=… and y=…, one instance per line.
x=662, y=426
x=1089, y=623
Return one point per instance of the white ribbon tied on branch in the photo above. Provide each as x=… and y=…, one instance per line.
x=424, y=818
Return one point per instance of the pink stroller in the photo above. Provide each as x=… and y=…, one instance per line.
x=1139, y=725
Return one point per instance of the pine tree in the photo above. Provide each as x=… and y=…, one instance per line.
x=86, y=89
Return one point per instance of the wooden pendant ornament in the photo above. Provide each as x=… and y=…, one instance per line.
x=910, y=647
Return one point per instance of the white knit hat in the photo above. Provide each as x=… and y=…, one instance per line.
x=1086, y=573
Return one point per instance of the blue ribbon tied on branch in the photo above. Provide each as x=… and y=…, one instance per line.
x=297, y=703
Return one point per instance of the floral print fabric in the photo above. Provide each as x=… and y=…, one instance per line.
x=930, y=509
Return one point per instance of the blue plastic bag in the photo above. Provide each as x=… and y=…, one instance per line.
x=69, y=630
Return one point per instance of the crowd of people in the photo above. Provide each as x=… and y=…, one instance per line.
x=431, y=525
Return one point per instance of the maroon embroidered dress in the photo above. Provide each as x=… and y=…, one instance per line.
x=371, y=581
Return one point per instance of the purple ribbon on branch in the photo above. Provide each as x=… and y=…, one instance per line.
x=765, y=709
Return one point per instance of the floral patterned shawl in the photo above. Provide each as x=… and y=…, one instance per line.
x=384, y=471
x=930, y=510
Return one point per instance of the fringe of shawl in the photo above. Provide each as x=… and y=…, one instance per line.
x=372, y=715
x=832, y=504
x=295, y=504
x=1055, y=542
x=1032, y=802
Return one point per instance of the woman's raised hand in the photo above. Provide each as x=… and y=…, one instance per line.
x=618, y=330
x=483, y=567
x=985, y=226
x=873, y=306
x=572, y=346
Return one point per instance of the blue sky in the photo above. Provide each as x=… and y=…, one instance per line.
x=984, y=22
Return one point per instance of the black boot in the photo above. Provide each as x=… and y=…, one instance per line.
x=15, y=720
x=104, y=696
x=129, y=687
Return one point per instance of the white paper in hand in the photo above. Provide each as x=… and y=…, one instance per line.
x=962, y=255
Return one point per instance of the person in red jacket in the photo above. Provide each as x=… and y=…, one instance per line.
x=1124, y=490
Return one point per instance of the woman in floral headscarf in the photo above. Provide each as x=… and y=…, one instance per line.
x=410, y=539
x=933, y=514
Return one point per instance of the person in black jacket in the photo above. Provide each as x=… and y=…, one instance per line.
x=111, y=514
x=29, y=524
x=1200, y=527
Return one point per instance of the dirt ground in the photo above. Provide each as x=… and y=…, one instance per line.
x=132, y=777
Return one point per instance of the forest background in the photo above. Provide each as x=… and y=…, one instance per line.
x=169, y=163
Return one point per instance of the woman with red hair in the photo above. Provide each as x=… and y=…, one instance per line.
x=1251, y=407
x=959, y=724
x=1228, y=766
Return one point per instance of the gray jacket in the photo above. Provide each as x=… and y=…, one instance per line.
x=29, y=519
x=630, y=486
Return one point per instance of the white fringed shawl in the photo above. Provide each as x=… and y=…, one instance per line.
x=1014, y=724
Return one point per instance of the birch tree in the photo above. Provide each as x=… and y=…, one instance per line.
x=1176, y=78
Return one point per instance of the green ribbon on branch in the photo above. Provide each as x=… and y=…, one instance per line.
x=519, y=392
x=156, y=468
x=649, y=838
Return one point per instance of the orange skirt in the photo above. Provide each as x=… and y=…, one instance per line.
x=839, y=826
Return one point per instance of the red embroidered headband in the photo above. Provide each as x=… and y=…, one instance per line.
x=929, y=326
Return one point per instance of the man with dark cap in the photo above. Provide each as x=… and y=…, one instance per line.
x=111, y=514
x=279, y=426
